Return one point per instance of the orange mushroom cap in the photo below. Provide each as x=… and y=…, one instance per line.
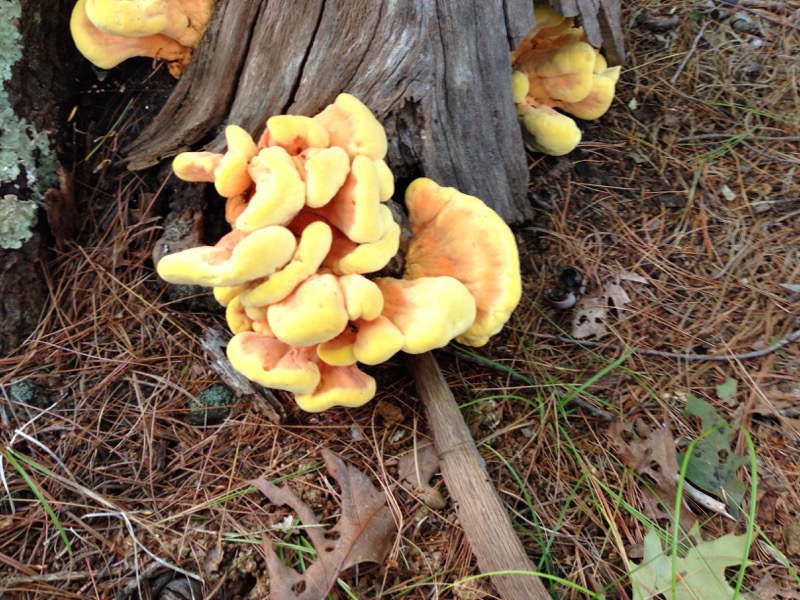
x=315, y=242
x=182, y=20
x=237, y=258
x=429, y=311
x=457, y=235
x=273, y=364
x=351, y=125
x=314, y=312
x=339, y=386
x=294, y=133
x=280, y=192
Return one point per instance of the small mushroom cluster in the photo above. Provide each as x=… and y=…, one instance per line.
x=555, y=67
x=108, y=32
x=310, y=229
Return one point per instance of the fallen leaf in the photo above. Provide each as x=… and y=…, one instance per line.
x=769, y=589
x=652, y=455
x=589, y=318
x=416, y=468
x=791, y=537
x=363, y=533
x=591, y=315
x=700, y=574
x=713, y=463
x=727, y=390
x=616, y=296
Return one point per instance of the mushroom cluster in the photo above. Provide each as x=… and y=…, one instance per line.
x=555, y=67
x=108, y=32
x=311, y=229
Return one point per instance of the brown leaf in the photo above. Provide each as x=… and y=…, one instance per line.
x=651, y=454
x=416, y=468
x=769, y=589
x=363, y=533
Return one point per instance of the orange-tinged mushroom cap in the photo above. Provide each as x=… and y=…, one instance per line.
x=183, y=20
x=107, y=50
x=377, y=340
x=339, y=386
x=324, y=170
x=459, y=236
x=355, y=207
x=228, y=171
x=196, y=166
x=280, y=192
x=338, y=352
x=236, y=317
x=315, y=242
x=315, y=312
x=231, y=177
x=273, y=364
x=237, y=258
x=563, y=73
x=351, y=125
x=224, y=295
x=547, y=130
x=599, y=99
x=385, y=180
x=347, y=257
x=294, y=133
x=429, y=311
x=362, y=298
x=369, y=342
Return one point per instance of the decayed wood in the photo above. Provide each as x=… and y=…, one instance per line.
x=480, y=510
x=434, y=72
x=601, y=20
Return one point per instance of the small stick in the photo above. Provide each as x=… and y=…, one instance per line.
x=478, y=506
x=794, y=336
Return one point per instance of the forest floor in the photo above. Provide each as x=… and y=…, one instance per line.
x=682, y=210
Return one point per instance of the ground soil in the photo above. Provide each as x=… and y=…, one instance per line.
x=685, y=195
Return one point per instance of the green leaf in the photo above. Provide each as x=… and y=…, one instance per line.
x=713, y=463
x=727, y=389
x=700, y=574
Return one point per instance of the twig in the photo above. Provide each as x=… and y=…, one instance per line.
x=480, y=511
x=704, y=499
x=689, y=54
x=794, y=336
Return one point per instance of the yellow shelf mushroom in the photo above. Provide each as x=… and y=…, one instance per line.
x=554, y=67
x=307, y=307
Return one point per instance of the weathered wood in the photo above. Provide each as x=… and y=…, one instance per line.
x=601, y=20
x=435, y=73
x=480, y=510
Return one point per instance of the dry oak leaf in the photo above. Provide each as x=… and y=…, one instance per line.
x=363, y=533
x=652, y=455
x=416, y=468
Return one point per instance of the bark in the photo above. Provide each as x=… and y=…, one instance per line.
x=36, y=94
x=602, y=22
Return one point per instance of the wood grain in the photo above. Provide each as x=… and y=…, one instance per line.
x=480, y=510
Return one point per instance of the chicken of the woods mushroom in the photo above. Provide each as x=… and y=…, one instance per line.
x=555, y=67
x=299, y=273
